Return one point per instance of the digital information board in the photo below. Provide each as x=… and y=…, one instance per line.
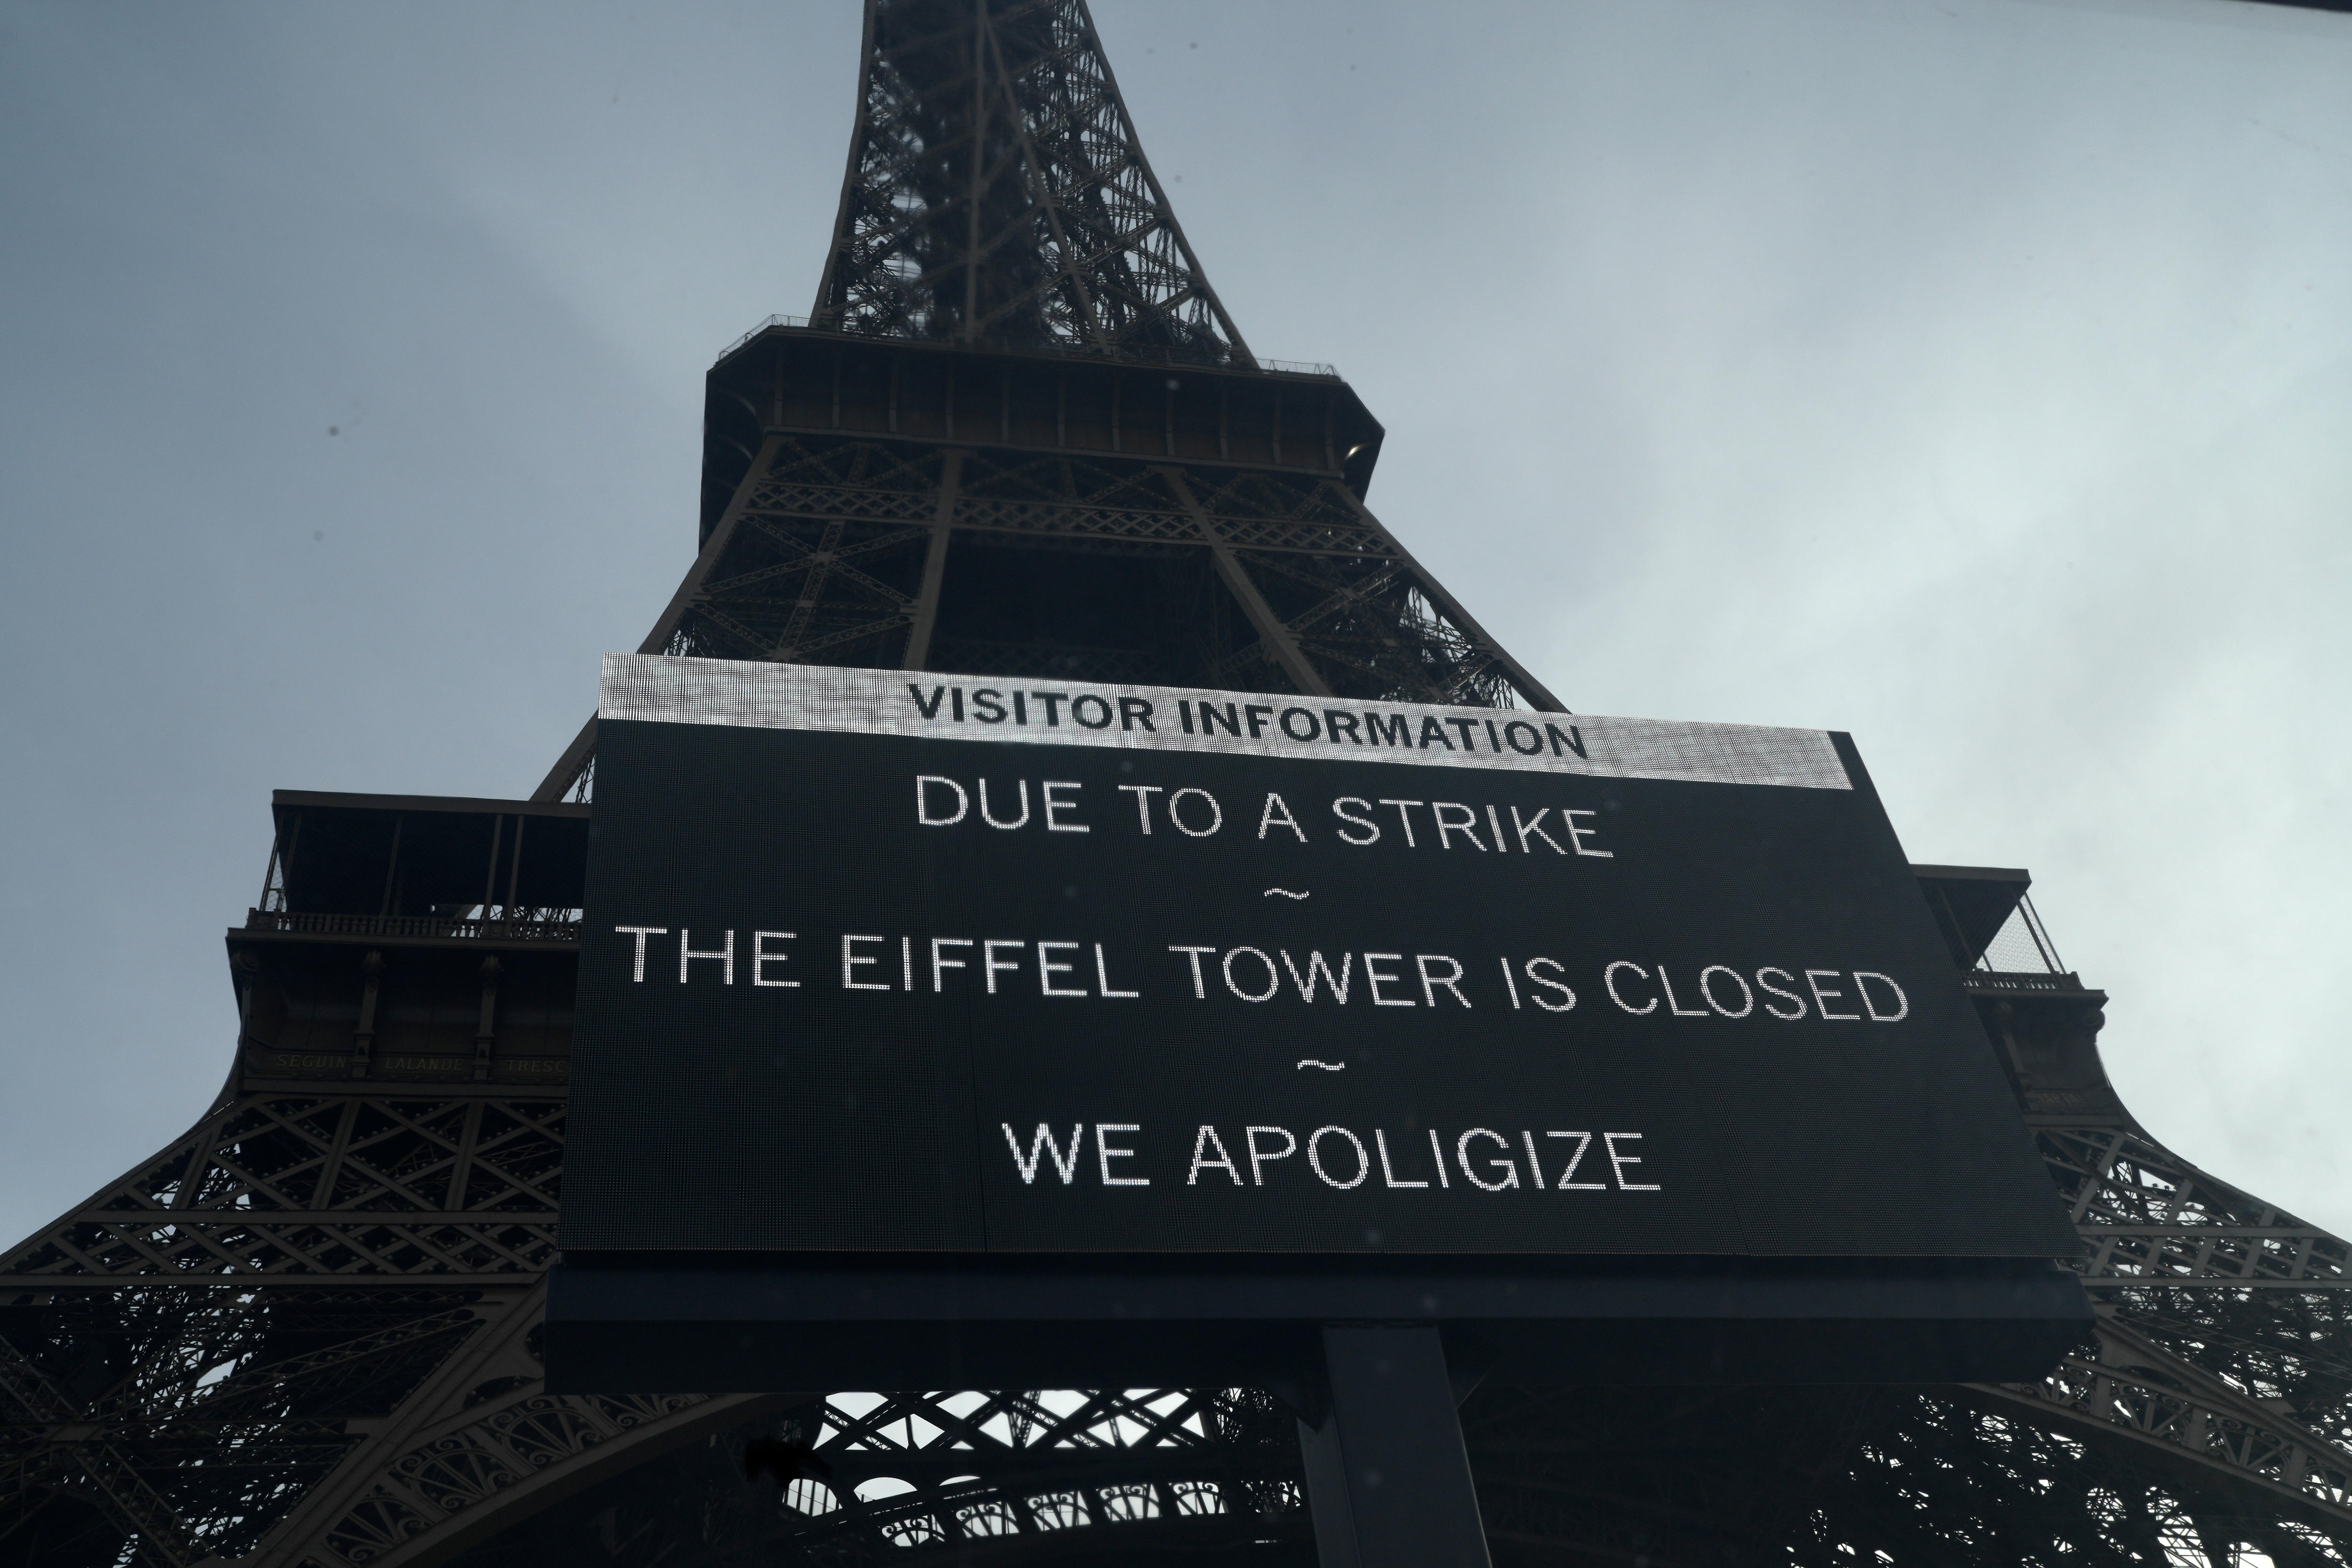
x=891, y=963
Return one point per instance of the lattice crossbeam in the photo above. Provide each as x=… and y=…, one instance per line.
x=2149, y=1216
x=2134, y=1387
x=1324, y=600
x=996, y=191
x=241, y=1194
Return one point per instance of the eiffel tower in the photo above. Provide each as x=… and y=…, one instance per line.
x=1019, y=435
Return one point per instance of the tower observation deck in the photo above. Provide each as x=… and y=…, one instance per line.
x=1019, y=433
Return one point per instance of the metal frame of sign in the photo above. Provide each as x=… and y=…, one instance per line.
x=936, y=1028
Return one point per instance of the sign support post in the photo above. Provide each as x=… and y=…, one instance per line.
x=1388, y=1478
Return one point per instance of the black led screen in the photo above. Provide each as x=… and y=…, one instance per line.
x=1205, y=972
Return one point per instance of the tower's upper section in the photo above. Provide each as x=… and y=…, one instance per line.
x=997, y=193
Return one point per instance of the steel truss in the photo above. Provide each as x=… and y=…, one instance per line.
x=997, y=192
x=306, y=1332
x=823, y=562
x=206, y=1359
x=878, y=552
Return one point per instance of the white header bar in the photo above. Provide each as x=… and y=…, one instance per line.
x=753, y=695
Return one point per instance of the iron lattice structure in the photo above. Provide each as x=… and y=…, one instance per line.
x=1021, y=436
x=997, y=193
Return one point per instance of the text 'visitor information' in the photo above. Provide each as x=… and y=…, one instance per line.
x=899, y=962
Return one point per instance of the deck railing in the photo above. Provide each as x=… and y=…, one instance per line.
x=444, y=927
x=2022, y=957
x=1125, y=354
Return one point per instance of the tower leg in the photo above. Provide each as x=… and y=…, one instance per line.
x=1387, y=1477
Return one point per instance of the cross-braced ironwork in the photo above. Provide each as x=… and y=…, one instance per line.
x=917, y=1477
x=997, y=193
x=822, y=562
x=1020, y=437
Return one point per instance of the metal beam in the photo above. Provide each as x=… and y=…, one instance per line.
x=1272, y=633
x=935, y=567
x=2136, y=1392
x=1529, y=687
x=1386, y=1472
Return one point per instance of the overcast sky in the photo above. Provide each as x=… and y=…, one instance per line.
x=1969, y=374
